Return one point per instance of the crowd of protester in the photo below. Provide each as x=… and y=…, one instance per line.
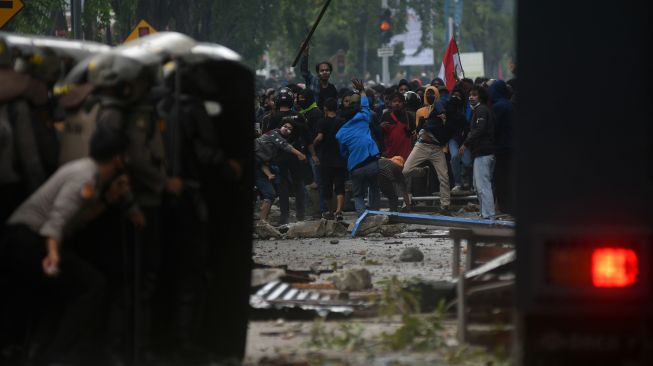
x=312, y=135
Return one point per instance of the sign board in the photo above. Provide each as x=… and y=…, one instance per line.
x=412, y=41
x=142, y=29
x=472, y=63
x=387, y=51
x=9, y=8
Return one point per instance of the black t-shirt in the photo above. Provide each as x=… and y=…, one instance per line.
x=313, y=117
x=328, y=148
x=325, y=93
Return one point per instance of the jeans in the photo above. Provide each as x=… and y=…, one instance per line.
x=456, y=160
x=483, y=171
x=364, y=178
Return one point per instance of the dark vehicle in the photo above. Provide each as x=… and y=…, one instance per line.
x=584, y=160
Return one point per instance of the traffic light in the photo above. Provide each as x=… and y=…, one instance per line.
x=385, y=26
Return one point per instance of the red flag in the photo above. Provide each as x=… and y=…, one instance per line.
x=451, y=68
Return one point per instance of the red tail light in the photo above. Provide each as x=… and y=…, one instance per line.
x=614, y=267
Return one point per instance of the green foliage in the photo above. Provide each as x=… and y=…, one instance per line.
x=348, y=336
x=253, y=27
x=395, y=298
x=488, y=27
x=96, y=19
x=417, y=333
x=37, y=17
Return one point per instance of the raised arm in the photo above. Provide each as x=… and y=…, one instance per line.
x=303, y=67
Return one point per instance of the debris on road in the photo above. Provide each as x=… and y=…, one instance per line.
x=264, y=230
x=335, y=229
x=371, y=224
x=279, y=295
x=261, y=276
x=392, y=230
x=353, y=280
x=307, y=229
x=316, y=229
x=411, y=255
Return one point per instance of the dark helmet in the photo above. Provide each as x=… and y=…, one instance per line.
x=413, y=101
x=285, y=97
x=44, y=64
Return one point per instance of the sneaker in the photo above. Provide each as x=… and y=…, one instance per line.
x=445, y=211
x=456, y=188
x=339, y=216
x=327, y=216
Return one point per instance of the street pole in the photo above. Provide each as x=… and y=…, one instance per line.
x=76, y=18
x=385, y=67
x=385, y=70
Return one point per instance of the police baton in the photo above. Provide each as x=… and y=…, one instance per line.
x=310, y=34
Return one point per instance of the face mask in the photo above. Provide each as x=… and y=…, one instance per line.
x=430, y=98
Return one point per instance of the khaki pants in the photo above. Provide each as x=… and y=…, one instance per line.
x=434, y=154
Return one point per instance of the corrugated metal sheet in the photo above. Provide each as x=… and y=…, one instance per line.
x=278, y=295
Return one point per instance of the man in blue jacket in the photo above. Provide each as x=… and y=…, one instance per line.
x=361, y=152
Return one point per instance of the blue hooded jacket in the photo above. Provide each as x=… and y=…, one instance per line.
x=504, y=116
x=355, y=139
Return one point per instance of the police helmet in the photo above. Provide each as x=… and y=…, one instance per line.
x=110, y=69
x=44, y=64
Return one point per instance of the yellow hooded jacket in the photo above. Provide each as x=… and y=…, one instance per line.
x=424, y=112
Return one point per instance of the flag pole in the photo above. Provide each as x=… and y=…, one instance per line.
x=461, y=61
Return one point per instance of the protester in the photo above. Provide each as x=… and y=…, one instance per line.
x=461, y=165
x=433, y=135
x=321, y=87
x=403, y=86
x=266, y=149
x=332, y=165
x=361, y=151
x=503, y=111
x=482, y=145
x=291, y=171
x=398, y=126
x=391, y=180
x=312, y=114
x=413, y=101
x=431, y=102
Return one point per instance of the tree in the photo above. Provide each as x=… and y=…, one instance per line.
x=488, y=27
